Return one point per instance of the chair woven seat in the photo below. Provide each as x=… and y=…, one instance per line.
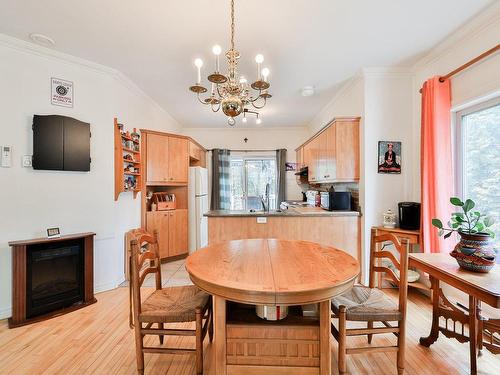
x=173, y=304
x=367, y=304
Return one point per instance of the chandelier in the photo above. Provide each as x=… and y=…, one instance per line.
x=231, y=92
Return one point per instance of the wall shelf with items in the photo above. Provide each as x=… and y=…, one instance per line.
x=128, y=166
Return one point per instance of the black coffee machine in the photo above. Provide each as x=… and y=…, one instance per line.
x=409, y=215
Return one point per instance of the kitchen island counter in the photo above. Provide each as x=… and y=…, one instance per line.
x=339, y=229
x=298, y=212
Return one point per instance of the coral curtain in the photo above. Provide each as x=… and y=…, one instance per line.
x=436, y=162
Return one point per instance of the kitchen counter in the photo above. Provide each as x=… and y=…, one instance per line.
x=296, y=211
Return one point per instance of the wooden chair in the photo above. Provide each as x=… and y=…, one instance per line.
x=369, y=304
x=167, y=305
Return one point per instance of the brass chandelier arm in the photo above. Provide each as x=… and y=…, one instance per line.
x=212, y=107
x=201, y=101
x=259, y=106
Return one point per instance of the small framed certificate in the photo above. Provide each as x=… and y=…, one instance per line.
x=53, y=233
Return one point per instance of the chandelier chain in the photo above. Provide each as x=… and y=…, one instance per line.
x=232, y=24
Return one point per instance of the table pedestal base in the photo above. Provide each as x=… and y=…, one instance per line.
x=246, y=344
x=471, y=317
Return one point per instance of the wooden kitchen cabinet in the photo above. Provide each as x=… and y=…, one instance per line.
x=178, y=232
x=157, y=158
x=332, y=155
x=171, y=227
x=167, y=159
x=347, y=150
x=178, y=166
x=158, y=221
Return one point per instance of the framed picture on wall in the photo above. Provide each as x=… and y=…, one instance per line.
x=389, y=157
x=290, y=167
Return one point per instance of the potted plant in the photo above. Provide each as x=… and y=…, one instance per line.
x=474, y=251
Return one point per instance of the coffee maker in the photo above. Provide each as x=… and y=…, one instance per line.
x=409, y=215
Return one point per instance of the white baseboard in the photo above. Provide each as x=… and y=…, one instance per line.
x=5, y=312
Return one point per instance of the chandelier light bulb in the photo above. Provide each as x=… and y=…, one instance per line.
x=216, y=50
x=198, y=63
x=265, y=73
x=244, y=120
x=259, y=59
x=243, y=79
x=258, y=121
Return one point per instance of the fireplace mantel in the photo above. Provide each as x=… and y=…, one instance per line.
x=19, y=277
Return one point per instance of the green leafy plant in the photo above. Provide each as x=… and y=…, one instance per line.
x=468, y=221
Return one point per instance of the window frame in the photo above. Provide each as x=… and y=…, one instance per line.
x=458, y=144
x=254, y=156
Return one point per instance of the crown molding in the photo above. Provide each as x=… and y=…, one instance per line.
x=188, y=129
x=48, y=53
x=481, y=22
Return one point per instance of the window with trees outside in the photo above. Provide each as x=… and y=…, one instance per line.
x=248, y=180
x=477, y=155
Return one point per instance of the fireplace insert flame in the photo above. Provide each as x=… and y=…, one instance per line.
x=54, y=277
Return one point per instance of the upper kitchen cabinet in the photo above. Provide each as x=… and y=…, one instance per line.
x=167, y=158
x=332, y=155
x=347, y=149
x=197, y=155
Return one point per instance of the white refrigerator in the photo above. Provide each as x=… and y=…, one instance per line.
x=197, y=206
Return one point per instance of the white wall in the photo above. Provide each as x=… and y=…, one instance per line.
x=261, y=138
x=32, y=201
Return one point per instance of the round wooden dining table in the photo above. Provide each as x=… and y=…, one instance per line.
x=272, y=272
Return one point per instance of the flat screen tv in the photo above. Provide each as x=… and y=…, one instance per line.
x=60, y=143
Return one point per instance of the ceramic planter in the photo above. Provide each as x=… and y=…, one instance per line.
x=475, y=252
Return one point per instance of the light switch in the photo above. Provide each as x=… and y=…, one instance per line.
x=261, y=220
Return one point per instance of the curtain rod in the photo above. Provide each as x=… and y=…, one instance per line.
x=469, y=63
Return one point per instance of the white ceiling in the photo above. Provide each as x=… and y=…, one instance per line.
x=304, y=42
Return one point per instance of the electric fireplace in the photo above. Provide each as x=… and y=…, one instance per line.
x=51, y=277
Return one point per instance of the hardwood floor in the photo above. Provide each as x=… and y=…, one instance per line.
x=98, y=340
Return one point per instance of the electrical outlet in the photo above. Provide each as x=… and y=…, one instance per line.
x=27, y=161
x=262, y=220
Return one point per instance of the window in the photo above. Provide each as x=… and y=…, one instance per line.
x=249, y=177
x=478, y=159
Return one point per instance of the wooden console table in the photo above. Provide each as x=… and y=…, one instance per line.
x=414, y=238
x=272, y=272
x=483, y=287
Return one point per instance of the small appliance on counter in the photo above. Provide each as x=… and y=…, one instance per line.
x=332, y=200
x=311, y=197
x=409, y=215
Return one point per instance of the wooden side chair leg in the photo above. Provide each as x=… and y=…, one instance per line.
x=160, y=326
x=370, y=335
x=139, y=354
x=199, y=342
x=342, y=340
x=401, y=348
